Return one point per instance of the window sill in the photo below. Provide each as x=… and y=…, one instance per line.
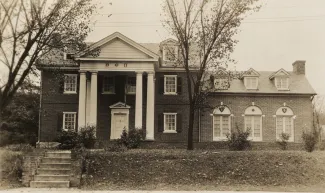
x=65, y=92
x=170, y=131
x=251, y=88
x=170, y=93
x=283, y=89
x=130, y=93
x=108, y=92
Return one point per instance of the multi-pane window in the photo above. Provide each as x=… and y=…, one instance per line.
x=69, y=121
x=281, y=82
x=284, y=123
x=108, y=84
x=251, y=82
x=70, y=83
x=253, y=124
x=131, y=85
x=170, y=122
x=221, y=126
x=170, y=53
x=170, y=84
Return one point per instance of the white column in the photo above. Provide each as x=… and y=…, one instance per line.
x=138, y=101
x=93, y=99
x=150, y=107
x=88, y=102
x=82, y=100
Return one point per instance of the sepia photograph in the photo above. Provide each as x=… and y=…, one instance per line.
x=182, y=96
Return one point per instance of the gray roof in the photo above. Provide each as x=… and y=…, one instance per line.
x=298, y=84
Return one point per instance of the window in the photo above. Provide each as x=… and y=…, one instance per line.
x=284, y=123
x=131, y=85
x=253, y=123
x=221, y=123
x=170, y=84
x=221, y=83
x=170, y=122
x=69, y=121
x=281, y=83
x=70, y=83
x=108, y=85
x=251, y=82
x=170, y=53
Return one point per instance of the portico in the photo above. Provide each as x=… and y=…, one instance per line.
x=136, y=61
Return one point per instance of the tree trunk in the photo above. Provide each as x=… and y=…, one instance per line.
x=190, y=128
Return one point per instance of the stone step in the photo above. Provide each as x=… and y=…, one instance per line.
x=55, y=166
x=49, y=184
x=58, y=154
x=51, y=178
x=50, y=160
x=52, y=171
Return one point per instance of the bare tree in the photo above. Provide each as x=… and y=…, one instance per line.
x=205, y=32
x=30, y=29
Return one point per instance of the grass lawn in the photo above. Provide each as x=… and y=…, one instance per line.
x=145, y=169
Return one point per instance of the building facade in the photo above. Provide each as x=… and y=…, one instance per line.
x=131, y=85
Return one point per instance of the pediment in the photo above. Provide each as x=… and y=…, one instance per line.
x=251, y=72
x=221, y=73
x=119, y=105
x=280, y=72
x=169, y=41
x=117, y=46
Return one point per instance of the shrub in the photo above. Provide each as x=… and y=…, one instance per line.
x=68, y=139
x=11, y=165
x=87, y=136
x=133, y=138
x=20, y=147
x=71, y=139
x=310, y=139
x=238, y=141
x=284, y=141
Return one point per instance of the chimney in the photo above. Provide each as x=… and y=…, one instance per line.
x=299, y=67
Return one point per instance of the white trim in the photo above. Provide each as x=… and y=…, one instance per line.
x=291, y=138
x=250, y=78
x=118, y=59
x=76, y=84
x=170, y=93
x=74, y=125
x=170, y=131
x=280, y=78
x=115, y=111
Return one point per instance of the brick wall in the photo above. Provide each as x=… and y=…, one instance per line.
x=301, y=106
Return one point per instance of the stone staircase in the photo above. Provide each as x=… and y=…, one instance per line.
x=53, y=171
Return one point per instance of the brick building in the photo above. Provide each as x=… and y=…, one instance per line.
x=132, y=85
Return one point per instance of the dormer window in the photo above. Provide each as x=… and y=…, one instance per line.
x=282, y=83
x=251, y=79
x=170, y=53
x=251, y=82
x=280, y=79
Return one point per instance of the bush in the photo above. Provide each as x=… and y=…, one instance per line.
x=310, y=140
x=132, y=139
x=71, y=139
x=68, y=139
x=20, y=147
x=238, y=141
x=86, y=136
x=11, y=165
x=284, y=141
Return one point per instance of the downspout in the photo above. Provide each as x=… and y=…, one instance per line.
x=199, y=124
x=40, y=110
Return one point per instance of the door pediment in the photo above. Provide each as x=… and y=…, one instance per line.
x=119, y=105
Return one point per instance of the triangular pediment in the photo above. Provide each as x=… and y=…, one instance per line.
x=251, y=72
x=119, y=105
x=280, y=72
x=117, y=46
x=221, y=72
x=169, y=41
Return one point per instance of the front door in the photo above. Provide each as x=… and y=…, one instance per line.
x=120, y=122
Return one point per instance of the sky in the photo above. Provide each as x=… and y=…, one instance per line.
x=282, y=32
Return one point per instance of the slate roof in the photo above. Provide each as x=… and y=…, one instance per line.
x=298, y=84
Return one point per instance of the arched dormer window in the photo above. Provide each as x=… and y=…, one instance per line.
x=284, y=123
x=221, y=123
x=253, y=122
